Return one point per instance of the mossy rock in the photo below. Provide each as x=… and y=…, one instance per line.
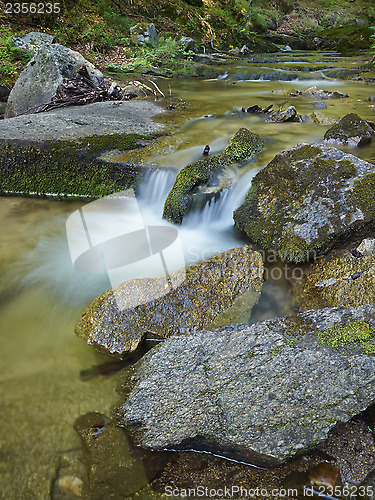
x=244, y=145
x=340, y=282
x=65, y=168
x=308, y=199
x=204, y=179
x=351, y=130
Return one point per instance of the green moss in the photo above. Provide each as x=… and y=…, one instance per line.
x=65, y=168
x=244, y=145
x=363, y=191
x=277, y=198
x=347, y=333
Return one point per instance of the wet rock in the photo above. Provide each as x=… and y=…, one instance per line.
x=33, y=41
x=187, y=43
x=307, y=199
x=322, y=119
x=351, y=130
x=326, y=475
x=112, y=472
x=38, y=82
x=320, y=105
x=71, y=478
x=314, y=93
x=144, y=34
x=204, y=179
x=209, y=289
x=339, y=282
x=203, y=58
x=366, y=247
x=259, y=393
x=289, y=115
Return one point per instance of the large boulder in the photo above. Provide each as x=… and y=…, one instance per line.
x=307, y=199
x=260, y=393
x=208, y=290
x=144, y=34
x=38, y=82
x=351, y=130
x=33, y=41
x=204, y=179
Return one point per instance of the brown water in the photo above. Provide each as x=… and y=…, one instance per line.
x=42, y=297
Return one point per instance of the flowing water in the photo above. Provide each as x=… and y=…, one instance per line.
x=42, y=296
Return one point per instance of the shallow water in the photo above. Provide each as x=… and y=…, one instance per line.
x=42, y=296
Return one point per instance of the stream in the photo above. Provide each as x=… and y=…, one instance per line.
x=42, y=296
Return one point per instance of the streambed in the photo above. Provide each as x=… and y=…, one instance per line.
x=42, y=297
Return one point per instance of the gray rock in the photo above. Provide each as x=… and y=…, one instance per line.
x=144, y=34
x=316, y=94
x=322, y=119
x=320, y=105
x=203, y=58
x=33, y=41
x=289, y=115
x=367, y=247
x=99, y=118
x=351, y=130
x=260, y=393
x=338, y=282
x=187, y=44
x=38, y=82
x=307, y=199
x=209, y=289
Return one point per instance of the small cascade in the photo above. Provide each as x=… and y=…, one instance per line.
x=218, y=214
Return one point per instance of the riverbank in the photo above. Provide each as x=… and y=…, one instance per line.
x=101, y=31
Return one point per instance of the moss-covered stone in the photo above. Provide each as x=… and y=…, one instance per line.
x=336, y=283
x=351, y=130
x=302, y=202
x=66, y=168
x=364, y=192
x=206, y=178
x=244, y=145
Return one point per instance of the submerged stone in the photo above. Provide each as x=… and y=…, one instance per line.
x=209, y=289
x=260, y=393
x=351, y=130
x=204, y=179
x=307, y=199
x=112, y=472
